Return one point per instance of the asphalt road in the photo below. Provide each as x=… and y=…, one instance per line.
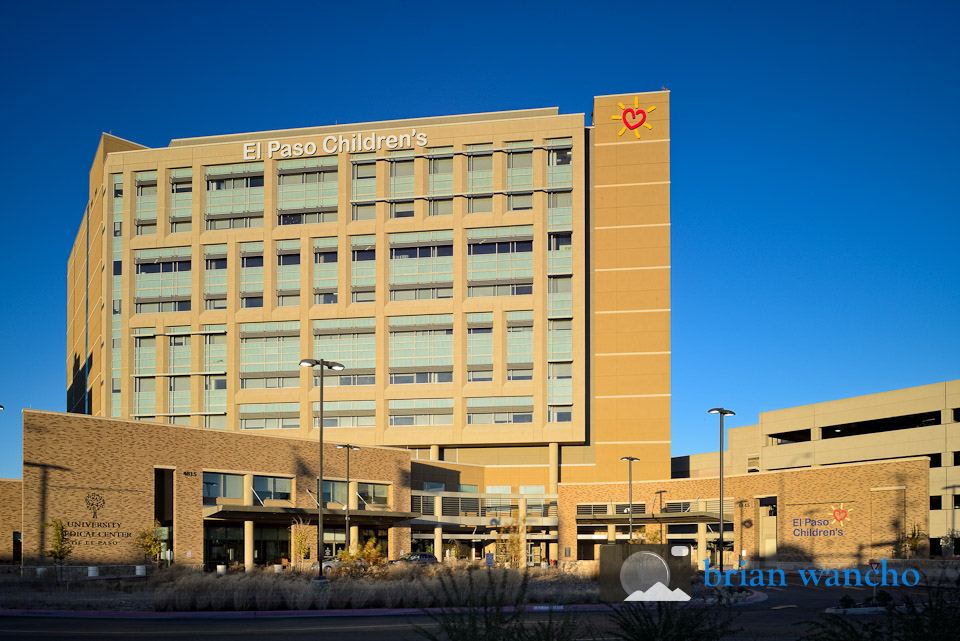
x=774, y=619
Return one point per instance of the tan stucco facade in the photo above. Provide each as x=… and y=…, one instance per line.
x=619, y=271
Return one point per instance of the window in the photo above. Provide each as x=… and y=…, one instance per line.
x=520, y=374
x=307, y=191
x=440, y=171
x=498, y=489
x=364, y=211
x=335, y=492
x=441, y=207
x=350, y=341
x=269, y=355
x=479, y=204
x=421, y=265
x=935, y=460
x=956, y=501
x=559, y=413
x=273, y=488
x=235, y=196
x=403, y=209
x=146, y=203
x=226, y=486
x=324, y=271
x=363, y=268
x=364, y=177
x=178, y=354
x=499, y=410
x=559, y=383
x=346, y=414
x=181, y=200
x=251, y=275
x=421, y=349
x=559, y=158
x=480, y=376
x=559, y=253
x=401, y=175
x=480, y=168
x=560, y=211
x=178, y=395
x=468, y=488
x=560, y=339
x=936, y=502
x=559, y=296
x=269, y=416
x=520, y=343
x=421, y=412
x=373, y=493
x=434, y=486
x=500, y=256
x=519, y=202
x=215, y=277
x=288, y=272
x=162, y=280
x=480, y=347
x=519, y=165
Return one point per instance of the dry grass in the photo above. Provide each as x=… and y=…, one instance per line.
x=392, y=587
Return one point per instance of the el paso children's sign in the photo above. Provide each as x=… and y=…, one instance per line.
x=334, y=145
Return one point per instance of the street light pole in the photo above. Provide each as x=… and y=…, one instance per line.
x=722, y=412
x=347, y=530
x=630, y=460
x=312, y=362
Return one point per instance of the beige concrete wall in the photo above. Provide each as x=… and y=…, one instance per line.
x=630, y=306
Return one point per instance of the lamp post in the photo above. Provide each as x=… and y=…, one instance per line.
x=313, y=362
x=630, y=460
x=347, y=526
x=722, y=412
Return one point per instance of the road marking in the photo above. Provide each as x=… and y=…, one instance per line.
x=781, y=607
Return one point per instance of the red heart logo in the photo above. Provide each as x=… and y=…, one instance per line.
x=639, y=113
x=839, y=515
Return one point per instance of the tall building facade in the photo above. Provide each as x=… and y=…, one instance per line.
x=497, y=286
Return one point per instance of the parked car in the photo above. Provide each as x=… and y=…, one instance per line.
x=415, y=557
x=331, y=565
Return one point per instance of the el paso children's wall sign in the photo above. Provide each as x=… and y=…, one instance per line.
x=355, y=143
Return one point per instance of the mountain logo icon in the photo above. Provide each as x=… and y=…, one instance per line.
x=659, y=592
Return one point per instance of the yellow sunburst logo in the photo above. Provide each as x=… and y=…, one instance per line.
x=633, y=117
x=840, y=515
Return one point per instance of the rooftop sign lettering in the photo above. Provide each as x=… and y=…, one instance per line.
x=355, y=143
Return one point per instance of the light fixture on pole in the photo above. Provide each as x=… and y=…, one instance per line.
x=630, y=460
x=313, y=362
x=347, y=505
x=722, y=412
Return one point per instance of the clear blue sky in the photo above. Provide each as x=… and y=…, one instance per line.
x=814, y=159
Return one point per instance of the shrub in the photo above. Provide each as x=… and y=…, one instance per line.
x=668, y=621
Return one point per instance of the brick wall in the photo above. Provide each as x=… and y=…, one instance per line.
x=70, y=458
x=11, y=499
x=879, y=514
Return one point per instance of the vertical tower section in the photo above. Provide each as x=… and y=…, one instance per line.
x=91, y=272
x=630, y=285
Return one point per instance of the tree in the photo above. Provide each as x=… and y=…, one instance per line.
x=300, y=541
x=61, y=546
x=915, y=537
x=149, y=540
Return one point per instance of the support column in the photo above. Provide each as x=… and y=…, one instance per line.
x=554, y=467
x=248, y=563
x=438, y=543
x=522, y=530
x=353, y=503
x=946, y=416
x=701, y=544
x=611, y=533
x=434, y=452
x=553, y=549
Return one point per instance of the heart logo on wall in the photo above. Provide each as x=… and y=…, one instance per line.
x=839, y=515
x=639, y=113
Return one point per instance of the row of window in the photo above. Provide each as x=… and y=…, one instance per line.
x=218, y=485
x=235, y=193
